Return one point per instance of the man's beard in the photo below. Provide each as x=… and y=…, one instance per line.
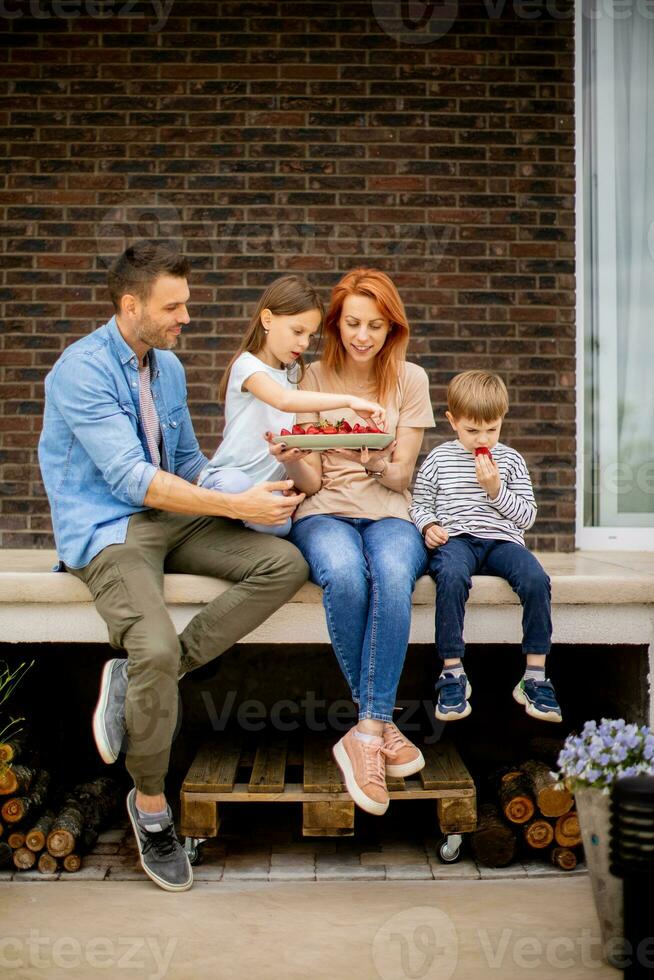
x=150, y=333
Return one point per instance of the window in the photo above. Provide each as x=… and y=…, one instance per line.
x=615, y=262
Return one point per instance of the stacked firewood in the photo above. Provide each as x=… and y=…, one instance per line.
x=43, y=826
x=530, y=813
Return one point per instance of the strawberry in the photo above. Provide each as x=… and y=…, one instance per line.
x=285, y=432
x=298, y=430
x=329, y=430
x=483, y=451
x=313, y=430
x=372, y=428
x=358, y=428
x=343, y=426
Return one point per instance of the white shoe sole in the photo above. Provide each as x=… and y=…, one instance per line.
x=408, y=769
x=455, y=715
x=520, y=696
x=157, y=880
x=99, y=731
x=353, y=788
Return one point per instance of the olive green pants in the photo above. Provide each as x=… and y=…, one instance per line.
x=126, y=582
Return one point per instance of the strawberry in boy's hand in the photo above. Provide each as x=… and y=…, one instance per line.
x=488, y=475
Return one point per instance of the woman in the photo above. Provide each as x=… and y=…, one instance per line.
x=354, y=528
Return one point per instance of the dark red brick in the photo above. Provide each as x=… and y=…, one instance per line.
x=449, y=165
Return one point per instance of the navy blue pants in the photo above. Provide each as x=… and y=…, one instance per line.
x=451, y=566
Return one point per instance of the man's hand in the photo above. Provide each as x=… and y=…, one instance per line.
x=488, y=475
x=435, y=535
x=260, y=505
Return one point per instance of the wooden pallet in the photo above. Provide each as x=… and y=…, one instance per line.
x=277, y=770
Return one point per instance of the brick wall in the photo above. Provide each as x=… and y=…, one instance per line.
x=294, y=136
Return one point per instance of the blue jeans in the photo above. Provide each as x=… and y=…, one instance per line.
x=367, y=570
x=227, y=479
x=451, y=566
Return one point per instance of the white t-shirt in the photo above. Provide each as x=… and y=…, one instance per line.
x=247, y=419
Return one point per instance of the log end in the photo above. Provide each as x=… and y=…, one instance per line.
x=60, y=843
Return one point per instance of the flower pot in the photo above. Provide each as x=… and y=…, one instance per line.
x=594, y=808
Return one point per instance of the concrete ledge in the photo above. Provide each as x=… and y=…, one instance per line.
x=598, y=597
x=580, y=578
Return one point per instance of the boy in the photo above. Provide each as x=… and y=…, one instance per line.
x=472, y=502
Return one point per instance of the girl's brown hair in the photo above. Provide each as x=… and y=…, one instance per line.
x=378, y=286
x=287, y=295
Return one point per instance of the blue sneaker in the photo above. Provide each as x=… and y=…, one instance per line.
x=539, y=699
x=453, y=693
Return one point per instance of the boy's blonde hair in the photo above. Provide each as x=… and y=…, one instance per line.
x=477, y=395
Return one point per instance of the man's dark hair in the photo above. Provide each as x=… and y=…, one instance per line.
x=136, y=270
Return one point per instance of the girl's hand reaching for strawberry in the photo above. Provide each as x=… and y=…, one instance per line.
x=369, y=410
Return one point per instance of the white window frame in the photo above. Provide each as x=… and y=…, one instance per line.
x=602, y=538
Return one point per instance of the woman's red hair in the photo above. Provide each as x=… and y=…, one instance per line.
x=378, y=286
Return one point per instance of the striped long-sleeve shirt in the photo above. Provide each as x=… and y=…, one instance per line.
x=447, y=493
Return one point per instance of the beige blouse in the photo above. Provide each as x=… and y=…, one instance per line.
x=347, y=490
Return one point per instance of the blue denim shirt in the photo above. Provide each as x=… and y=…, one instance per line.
x=94, y=459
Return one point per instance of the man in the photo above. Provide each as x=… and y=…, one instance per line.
x=119, y=460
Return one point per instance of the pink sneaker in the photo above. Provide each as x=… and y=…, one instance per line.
x=404, y=758
x=362, y=766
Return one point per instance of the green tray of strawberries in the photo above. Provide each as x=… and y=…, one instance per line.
x=341, y=435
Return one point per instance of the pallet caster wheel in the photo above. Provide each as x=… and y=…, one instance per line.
x=192, y=849
x=450, y=849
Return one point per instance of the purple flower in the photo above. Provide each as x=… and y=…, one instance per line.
x=601, y=753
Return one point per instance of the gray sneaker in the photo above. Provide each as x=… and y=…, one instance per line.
x=109, y=729
x=162, y=856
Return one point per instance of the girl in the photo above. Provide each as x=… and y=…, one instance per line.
x=260, y=391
